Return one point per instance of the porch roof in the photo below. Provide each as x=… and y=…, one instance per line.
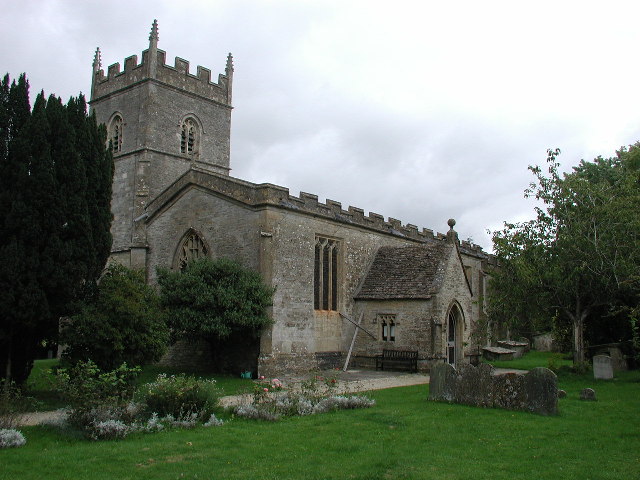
x=412, y=272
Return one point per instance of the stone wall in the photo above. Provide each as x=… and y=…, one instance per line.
x=535, y=391
x=413, y=327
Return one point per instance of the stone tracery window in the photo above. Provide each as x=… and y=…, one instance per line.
x=115, y=134
x=192, y=248
x=189, y=137
x=325, y=284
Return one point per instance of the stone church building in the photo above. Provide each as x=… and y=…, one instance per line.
x=174, y=199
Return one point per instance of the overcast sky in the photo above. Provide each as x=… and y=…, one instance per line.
x=417, y=110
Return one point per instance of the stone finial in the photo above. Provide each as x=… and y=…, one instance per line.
x=153, y=36
x=229, y=68
x=452, y=235
x=97, y=61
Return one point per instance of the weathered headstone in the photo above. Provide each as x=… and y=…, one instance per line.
x=562, y=393
x=508, y=392
x=541, y=389
x=536, y=392
x=485, y=390
x=467, y=385
x=442, y=383
x=602, y=367
x=588, y=394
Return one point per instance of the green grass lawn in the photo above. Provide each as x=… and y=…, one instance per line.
x=533, y=359
x=403, y=437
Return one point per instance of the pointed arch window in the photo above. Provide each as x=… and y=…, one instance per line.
x=191, y=248
x=189, y=137
x=115, y=132
x=325, y=285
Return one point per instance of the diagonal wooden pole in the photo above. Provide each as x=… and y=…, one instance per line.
x=353, y=340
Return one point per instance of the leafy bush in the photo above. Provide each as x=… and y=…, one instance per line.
x=180, y=396
x=11, y=405
x=96, y=396
x=214, y=298
x=11, y=438
x=121, y=323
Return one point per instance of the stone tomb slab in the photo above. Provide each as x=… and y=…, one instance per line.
x=498, y=353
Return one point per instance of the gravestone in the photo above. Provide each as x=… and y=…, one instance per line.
x=467, y=385
x=535, y=392
x=442, y=383
x=541, y=390
x=602, y=367
x=508, y=392
x=588, y=394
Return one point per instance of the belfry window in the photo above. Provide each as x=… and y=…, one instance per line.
x=115, y=136
x=325, y=278
x=192, y=248
x=188, y=137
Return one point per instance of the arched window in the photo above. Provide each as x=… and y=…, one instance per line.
x=189, y=137
x=115, y=134
x=325, y=285
x=191, y=248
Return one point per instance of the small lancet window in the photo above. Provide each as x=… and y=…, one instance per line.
x=192, y=248
x=116, y=134
x=188, y=137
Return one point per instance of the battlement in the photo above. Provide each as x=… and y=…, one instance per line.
x=267, y=194
x=153, y=67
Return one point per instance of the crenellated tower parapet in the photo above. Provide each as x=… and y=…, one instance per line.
x=153, y=67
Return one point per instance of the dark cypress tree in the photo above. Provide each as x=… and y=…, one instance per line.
x=54, y=172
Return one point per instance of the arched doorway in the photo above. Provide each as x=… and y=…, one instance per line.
x=455, y=326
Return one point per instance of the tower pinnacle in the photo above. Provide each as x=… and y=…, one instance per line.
x=97, y=61
x=229, y=68
x=153, y=36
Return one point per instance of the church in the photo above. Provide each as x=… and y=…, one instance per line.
x=345, y=283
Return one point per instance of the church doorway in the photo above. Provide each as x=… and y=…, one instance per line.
x=455, y=323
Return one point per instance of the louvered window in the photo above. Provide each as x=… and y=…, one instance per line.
x=188, y=137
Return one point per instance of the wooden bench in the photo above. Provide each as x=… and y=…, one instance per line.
x=392, y=358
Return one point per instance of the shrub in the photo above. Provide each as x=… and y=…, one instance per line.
x=180, y=396
x=96, y=396
x=213, y=421
x=213, y=298
x=11, y=403
x=120, y=323
x=109, y=429
x=316, y=395
x=11, y=438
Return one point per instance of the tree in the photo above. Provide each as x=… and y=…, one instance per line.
x=581, y=252
x=55, y=184
x=214, y=300
x=122, y=322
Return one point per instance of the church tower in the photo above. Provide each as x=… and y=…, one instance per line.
x=161, y=122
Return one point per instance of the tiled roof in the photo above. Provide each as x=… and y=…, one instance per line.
x=414, y=272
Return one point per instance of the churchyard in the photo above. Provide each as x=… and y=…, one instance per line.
x=404, y=436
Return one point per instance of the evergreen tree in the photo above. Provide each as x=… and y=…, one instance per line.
x=55, y=173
